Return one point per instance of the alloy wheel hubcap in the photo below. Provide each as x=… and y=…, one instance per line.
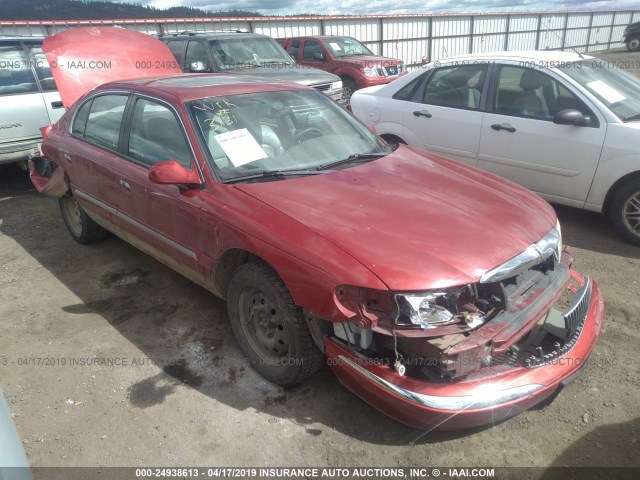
x=631, y=213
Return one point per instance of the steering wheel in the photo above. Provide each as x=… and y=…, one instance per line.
x=307, y=134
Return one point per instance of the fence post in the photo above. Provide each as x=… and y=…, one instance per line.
x=589, y=32
x=613, y=23
x=506, y=33
x=322, y=30
x=564, y=31
x=470, y=46
x=381, y=41
x=538, y=31
x=430, y=40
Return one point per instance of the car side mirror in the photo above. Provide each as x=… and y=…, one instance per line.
x=571, y=116
x=197, y=67
x=318, y=56
x=171, y=172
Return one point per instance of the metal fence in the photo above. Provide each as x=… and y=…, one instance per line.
x=412, y=38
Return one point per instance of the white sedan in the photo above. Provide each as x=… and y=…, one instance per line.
x=564, y=125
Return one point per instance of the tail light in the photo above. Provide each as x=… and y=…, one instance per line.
x=45, y=131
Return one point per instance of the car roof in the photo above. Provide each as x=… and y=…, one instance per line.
x=210, y=35
x=530, y=55
x=185, y=87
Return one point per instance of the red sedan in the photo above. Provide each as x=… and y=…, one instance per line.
x=439, y=294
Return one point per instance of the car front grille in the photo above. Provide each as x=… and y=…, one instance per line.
x=392, y=70
x=574, y=320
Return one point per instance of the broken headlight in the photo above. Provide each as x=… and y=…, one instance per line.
x=435, y=308
x=426, y=310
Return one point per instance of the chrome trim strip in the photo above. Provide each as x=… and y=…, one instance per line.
x=482, y=400
x=154, y=234
x=131, y=221
x=534, y=254
x=96, y=202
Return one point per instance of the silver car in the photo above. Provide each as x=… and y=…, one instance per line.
x=28, y=97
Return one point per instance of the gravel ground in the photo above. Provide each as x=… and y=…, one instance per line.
x=179, y=393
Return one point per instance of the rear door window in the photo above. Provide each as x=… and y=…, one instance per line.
x=16, y=75
x=41, y=66
x=104, y=120
x=456, y=87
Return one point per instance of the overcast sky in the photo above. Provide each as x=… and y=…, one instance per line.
x=287, y=7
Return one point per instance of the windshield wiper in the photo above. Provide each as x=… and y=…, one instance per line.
x=356, y=157
x=631, y=117
x=272, y=173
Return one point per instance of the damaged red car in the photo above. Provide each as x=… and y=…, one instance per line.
x=439, y=294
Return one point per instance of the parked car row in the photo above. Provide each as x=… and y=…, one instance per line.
x=440, y=294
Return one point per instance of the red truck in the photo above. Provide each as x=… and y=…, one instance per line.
x=346, y=57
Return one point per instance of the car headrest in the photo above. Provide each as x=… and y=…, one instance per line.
x=532, y=80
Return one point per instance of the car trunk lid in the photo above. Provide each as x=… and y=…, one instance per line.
x=86, y=57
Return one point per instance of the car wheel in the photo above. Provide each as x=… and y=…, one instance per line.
x=625, y=211
x=269, y=327
x=80, y=226
x=633, y=44
x=348, y=87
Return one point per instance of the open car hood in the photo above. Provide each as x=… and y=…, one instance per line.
x=83, y=58
x=414, y=219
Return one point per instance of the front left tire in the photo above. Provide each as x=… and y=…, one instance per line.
x=269, y=327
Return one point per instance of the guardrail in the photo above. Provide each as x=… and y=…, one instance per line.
x=413, y=38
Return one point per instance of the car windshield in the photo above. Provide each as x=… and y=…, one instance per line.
x=245, y=52
x=280, y=134
x=618, y=90
x=345, y=47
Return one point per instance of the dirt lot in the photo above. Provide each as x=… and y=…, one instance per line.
x=180, y=393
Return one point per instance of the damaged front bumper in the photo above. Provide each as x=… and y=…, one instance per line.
x=481, y=399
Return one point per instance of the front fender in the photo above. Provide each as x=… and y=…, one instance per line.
x=48, y=177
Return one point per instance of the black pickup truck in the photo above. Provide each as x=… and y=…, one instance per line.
x=631, y=37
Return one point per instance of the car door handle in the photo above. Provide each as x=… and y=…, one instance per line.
x=503, y=126
x=422, y=113
x=56, y=105
x=125, y=184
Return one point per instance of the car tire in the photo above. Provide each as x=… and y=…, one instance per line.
x=348, y=87
x=633, y=44
x=81, y=227
x=625, y=211
x=269, y=327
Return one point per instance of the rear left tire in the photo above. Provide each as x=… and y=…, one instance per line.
x=633, y=44
x=81, y=227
